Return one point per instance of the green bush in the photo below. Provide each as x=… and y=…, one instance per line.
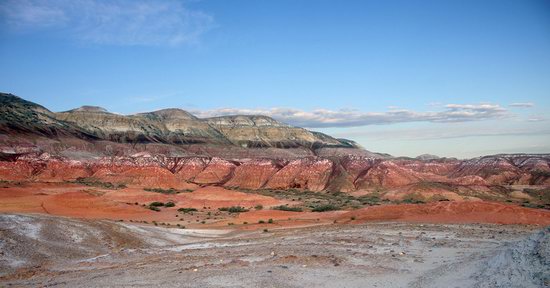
x=270, y=221
x=154, y=208
x=259, y=207
x=187, y=210
x=233, y=209
x=261, y=222
x=369, y=199
x=324, y=208
x=169, y=204
x=167, y=191
x=288, y=208
x=89, y=181
x=156, y=204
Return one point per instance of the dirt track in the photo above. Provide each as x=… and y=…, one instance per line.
x=61, y=252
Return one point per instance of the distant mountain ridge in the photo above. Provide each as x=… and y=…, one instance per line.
x=171, y=148
x=171, y=126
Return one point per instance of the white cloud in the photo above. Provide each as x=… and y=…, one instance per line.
x=522, y=105
x=352, y=118
x=536, y=118
x=440, y=132
x=118, y=22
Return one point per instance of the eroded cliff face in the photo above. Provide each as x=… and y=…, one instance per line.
x=347, y=174
x=171, y=148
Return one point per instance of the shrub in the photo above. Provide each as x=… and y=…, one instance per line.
x=187, y=210
x=369, y=199
x=233, y=209
x=287, y=208
x=169, y=204
x=261, y=222
x=167, y=191
x=413, y=199
x=89, y=181
x=324, y=208
x=259, y=207
x=154, y=208
x=156, y=204
x=265, y=230
x=270, y=221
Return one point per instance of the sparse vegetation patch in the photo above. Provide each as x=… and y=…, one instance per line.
x=169, y=191
x=324, y=208
x=288, y=208
x=187, y=210
x=233, y=209
x=89, y=181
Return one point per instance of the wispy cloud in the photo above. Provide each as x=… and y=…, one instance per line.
x=440, y=132
x=352, y=118
x=536, y=118
x=522, y=105
x=118, y=22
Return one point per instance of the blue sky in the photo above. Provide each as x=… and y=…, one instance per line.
x=454, y=78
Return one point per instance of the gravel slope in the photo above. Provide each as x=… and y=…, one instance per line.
x=62, y=252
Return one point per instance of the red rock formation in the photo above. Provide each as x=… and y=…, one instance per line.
x=191, y=167
x=345, y=174
x=60, y=171
x=218, y=171
x=253, y=174
x=309, y=174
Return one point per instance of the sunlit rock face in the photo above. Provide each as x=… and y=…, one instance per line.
x=172, y=148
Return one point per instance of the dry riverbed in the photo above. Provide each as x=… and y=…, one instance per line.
x=41, y=250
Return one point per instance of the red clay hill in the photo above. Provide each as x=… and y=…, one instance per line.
x=90, y=152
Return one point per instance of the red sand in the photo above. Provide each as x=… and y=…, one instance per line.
x=451, y=212
x=88, y=202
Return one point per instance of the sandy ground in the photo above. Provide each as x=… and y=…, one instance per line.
x=42, y=250
x=130, y=204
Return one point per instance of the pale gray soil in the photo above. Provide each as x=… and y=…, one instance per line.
x=38, y=250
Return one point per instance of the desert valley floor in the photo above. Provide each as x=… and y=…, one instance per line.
x=75, y=235
x=90, y=198
x=52, y=251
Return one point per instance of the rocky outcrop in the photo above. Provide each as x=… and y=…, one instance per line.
x=173, y=126
x=218, y=171
x=346, y=174
x=172, y=148
x=254, y=174
x=309, y=174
